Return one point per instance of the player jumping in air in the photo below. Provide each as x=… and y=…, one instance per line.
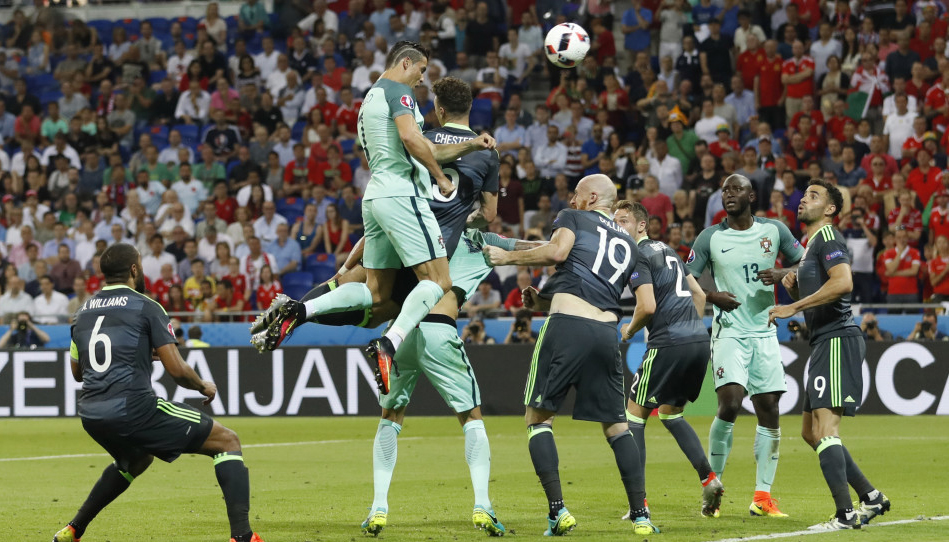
x=577, y=346
x=113, y=340
x=834, y=388
x=433, y=348
x=669, y=304
x=399, y=224
x=741, y=252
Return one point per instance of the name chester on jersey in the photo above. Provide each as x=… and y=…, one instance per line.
x=448, y=139
x=107, y=302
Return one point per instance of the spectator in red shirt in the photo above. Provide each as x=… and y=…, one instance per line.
x=27, y=125
x=917, y=85
x=333, y=167
x=906, y=218
x=915, y=140
x=724, y=143
x=161, y=287
x=327, y=108
x=835, y=124
x=877, y=179
x=769, y=88
x=813, y=143
x=347, y=114
x=298, y=172
x=657, y=203
x=750, y=62
x=514, y=299
x=936, y=104
x=807, y=110
x=901, y=264
x=778, y=212
x=938, y=223
x=878, y=149
x=228, y=301
x=224, y=204
x=615, y=100
x=797, y=75
x=924, y=180
x=268, y=289
x=604, y=44
x=939, y=270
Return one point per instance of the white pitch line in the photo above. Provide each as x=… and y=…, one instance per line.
x=260, y=445
x=807, y=532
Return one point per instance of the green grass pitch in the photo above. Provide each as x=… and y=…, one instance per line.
x=319, y=488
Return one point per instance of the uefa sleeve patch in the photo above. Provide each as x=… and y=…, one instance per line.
x=691, y=256
x=634, y=276
x=797, y=244
x=834, y=254
x=407, y=101
x=171, y=330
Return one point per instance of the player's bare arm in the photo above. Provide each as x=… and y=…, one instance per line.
x=76, y=370
x=353, y=261
x=422, y=150
x=725, y=301
x=770, y=277
x=183, y=374
x=642, y=314
x=839, y=284
x=698, y=295
x=533, y=301
x=449, y=152
x=486, y=211
x=790, y=284
x=552, y=253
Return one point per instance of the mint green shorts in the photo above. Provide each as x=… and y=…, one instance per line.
x=435, y=350
x=467, y=267
x=400, y=230
x=752, y=362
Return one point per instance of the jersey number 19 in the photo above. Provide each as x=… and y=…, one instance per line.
x=610, y=250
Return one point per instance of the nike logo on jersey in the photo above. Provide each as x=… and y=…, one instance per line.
x=713, y=454
x=724, y=251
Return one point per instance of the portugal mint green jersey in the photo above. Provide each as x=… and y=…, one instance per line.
x=734, y=258
x=394, y=171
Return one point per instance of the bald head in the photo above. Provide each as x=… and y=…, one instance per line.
x=597, y=185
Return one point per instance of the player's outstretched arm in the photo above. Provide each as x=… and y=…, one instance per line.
x=453, y=151
x=183, y=374
x=552, y=253
x=422, y=150
x=642, y=314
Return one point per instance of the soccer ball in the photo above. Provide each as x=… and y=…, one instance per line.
x=566, y=44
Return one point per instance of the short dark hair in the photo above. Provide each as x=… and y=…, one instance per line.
x=227, y=284
x=194, y=332
x=413, y=50
x=117, y=261
x=833, y=193
x=453, y=94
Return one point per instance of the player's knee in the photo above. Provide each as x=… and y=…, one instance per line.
x=808, y=437
x=230, y=442
x=728, y=410
x=139, y=466
x=443, y=282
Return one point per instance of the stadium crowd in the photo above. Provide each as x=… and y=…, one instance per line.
x=225, y=148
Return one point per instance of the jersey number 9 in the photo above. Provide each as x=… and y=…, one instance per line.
x=106, y=345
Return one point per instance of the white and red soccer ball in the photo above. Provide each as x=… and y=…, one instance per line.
x=566, y=45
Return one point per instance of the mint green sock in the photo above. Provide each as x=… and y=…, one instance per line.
x=719, y=444
x=416, y=306
x=347, y=297
x=767, y=442
x=478, y=456
x=385, y=450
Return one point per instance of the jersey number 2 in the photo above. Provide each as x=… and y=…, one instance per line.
x=106, y=344
x=610, y=250
x=672, y=262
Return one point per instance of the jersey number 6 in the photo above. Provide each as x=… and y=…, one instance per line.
x=106, y=344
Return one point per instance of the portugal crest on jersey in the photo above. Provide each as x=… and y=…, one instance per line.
x=766, y=245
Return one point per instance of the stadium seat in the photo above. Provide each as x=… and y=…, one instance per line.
x=290, y=205
x=482, y=115
x=323, y=272
x=296, y=133
x=167, y=42
x=354, y=164
x=160, y=25
x=297, y=291
x=315, y=260
x=133, y=28
x=50, y=96
x=189, y=134
x=41, y=82
x=231, y=22
x=189, y=25
x=347, y=145
x=159, y=136
x=297, y=279
x=103, y=28
x=156, y=76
